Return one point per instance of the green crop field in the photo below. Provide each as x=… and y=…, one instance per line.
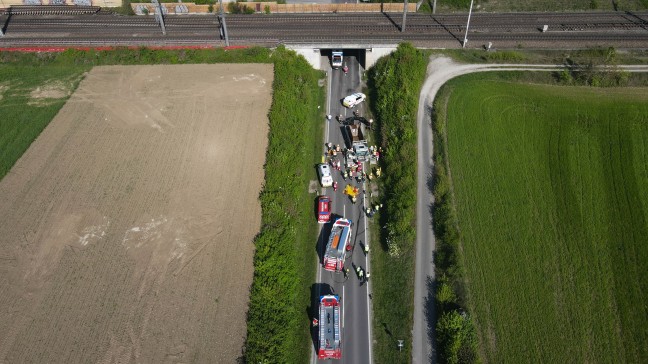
x=551, y=192
x=29, y=99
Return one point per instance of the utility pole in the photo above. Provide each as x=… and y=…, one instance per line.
x=223, y=25
x=434, y=7
x=467, y=26
x=404, y=16
x=159, y=15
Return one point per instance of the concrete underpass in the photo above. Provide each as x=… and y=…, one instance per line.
x=320, y=54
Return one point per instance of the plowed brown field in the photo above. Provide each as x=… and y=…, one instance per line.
x=126, y=229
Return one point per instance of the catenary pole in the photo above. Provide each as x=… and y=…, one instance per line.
x=223, y=24
x=404, y=16
x=467, y=25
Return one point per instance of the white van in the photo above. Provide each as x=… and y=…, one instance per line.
x=324, y=171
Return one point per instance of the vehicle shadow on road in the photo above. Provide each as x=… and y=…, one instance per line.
x=323, y=237
x=312, y=311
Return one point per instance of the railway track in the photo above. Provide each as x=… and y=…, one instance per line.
x=59, y=26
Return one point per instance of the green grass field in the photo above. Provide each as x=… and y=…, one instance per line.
x=551, y=191
x=23, y=115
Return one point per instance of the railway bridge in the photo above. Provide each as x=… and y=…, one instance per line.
x=366, y=53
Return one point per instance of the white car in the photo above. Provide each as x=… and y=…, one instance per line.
x=324, y=171
x=353, y=100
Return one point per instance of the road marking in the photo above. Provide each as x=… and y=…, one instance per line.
x=343, y=305
x=366, y=239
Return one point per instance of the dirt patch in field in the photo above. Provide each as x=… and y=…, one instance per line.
x=45, y=94
x=127, y=226
x=3, y=87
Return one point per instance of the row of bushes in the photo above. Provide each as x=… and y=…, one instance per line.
x=455, y=333
x=284, y=262
x=395, y=83
x=599, y=71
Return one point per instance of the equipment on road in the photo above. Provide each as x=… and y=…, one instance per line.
x=352, y=192
x=337, y=244
x=330, y=335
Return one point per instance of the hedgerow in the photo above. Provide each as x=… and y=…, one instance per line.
x=396, y=81
x=284, y=262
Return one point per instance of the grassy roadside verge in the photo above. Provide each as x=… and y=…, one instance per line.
x=395, y=83
x=284, y=258
x=456, y=338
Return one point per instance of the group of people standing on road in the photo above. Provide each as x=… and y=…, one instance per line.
x=363, y=276
x=353, y=170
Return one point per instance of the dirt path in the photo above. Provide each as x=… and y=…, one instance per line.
x=127, y=226
x=440, y=70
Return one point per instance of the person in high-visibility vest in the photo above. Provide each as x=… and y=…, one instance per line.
x=366, y=248
x=367, y=276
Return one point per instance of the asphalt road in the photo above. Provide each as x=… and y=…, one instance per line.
x=356, y=331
